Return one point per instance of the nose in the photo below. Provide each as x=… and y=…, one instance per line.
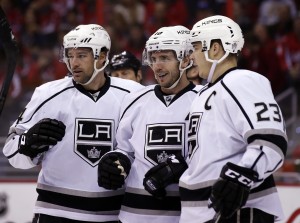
x=74, y=62
x=157, y=66
x=192, y=56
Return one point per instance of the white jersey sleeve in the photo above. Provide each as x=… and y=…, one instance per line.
x=10, y=149
x=257, y=117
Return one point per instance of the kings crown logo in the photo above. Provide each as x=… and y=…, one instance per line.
x=162, y=157
x=93, y=153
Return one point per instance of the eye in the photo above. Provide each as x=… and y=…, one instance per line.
x=152, y=59
x=164, y=58
x=82, y=55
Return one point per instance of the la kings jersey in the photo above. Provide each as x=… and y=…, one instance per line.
x=152, y=127
x=67, y=183
x=236, y=120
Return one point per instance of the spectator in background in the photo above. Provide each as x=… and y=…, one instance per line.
x=136, y=40
x=132, y=11
x=46, y=68
x=161, y=13
x=125, y=65
x=259, y=54
x=289, y=53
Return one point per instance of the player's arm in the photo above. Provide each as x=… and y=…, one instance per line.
x=34, y=141
x=259, y=120
x=263, y=129
x=231, y=190
x=164, y=174
x=31, y=135
x=114, y=166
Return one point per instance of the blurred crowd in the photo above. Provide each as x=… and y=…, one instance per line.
x=271, y=29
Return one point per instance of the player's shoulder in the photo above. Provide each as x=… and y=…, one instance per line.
x=145, y=91
x=56, y=85
x=125, y=85
x=244, y=78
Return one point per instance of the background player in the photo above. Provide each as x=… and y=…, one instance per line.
x=66, y=127
x=125, y=65
x=153, y=129
x=237, y=134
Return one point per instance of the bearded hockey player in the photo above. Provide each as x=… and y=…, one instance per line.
x=236, y=131
x=152, y=133
x=66, y=128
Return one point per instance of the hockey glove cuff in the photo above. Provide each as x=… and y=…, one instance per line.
x=39, y=137
x=164, y=174
x=232, y=189
x=113, y=169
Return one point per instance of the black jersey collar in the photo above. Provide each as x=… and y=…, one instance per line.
x=160, y=95
x=102, y=90
x=222, y=76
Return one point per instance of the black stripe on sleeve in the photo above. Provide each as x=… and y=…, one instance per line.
x=44, y=102
x=278, y=140
x=238, y=103
x=135, y=101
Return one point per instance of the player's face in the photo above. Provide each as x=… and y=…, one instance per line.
x=81, y=62
x=199, y=60
x=125, y=73
x=165, y=66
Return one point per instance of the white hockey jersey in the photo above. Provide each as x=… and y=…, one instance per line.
x=152, y=127
x=236, y=120
x=67, y=183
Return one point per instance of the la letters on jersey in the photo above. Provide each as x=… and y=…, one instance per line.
x=93, y=138
x=163, y=140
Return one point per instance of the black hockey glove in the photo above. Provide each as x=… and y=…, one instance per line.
x=164, y=174
x=232, y=189
x=40, y=136
x=113, y=169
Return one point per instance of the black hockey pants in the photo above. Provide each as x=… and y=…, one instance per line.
x=42, y=218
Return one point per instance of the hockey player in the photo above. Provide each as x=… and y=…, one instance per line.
x=236, y=131
x=152, y=129
x=68, y=125
x=125, y=65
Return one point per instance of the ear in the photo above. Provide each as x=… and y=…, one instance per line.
x=185, y=62
x=101, y=60
x=139, y=76
x=216, y=51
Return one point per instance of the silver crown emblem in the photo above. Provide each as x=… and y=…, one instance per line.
x=162, y=157
x=93, y=153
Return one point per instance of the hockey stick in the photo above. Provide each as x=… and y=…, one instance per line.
x=11, y=52
x=216, y=217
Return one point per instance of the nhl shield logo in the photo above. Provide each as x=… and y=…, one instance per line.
x=93, y=138
x=164, y=140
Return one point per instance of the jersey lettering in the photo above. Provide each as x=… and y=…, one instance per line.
x=163, y=140
x=93, y=138
x=242, y=179
x=207, y=106
x=194, y=122
x=268, y=111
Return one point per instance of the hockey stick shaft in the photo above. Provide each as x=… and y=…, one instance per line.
x=11, y=52
x=216, y=217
